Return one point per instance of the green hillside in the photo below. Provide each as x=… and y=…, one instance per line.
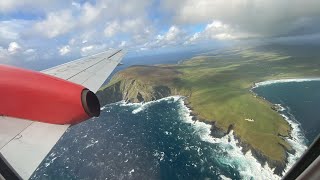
x=218, y=89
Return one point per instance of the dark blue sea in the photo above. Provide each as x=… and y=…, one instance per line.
x=155, y=140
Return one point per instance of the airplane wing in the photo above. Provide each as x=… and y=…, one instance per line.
x=25, y=143
x=91, y=71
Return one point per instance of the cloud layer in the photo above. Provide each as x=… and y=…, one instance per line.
x=43, y=29
x=268, y=18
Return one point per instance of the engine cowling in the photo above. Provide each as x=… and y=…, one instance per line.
x=36, y=96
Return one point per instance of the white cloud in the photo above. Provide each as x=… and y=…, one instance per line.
x=76, y=5
x=111, y=29
x=170, y=36
x=29, y=51
x=87, y=48
x=136, y=26
x=217, y=30
x=9, y=5
x=3, y=54
x=195, y=36
x=81, y=24
x=30, y=5
x=55, y=24
x=89, y=13
x=13, y=48
x=223, y=36
x=173, y=36
x=16, y=52
x=89, y=35
x=87, y=27
x=92, y=49
x=30, y=55
x=8, y=30
x=12, y=30
x=64, y=50
x=271, y=17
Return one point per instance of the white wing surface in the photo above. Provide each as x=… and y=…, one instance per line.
x=91, y=71
x=24, y=143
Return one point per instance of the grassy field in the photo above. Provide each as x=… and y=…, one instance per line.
x=219, y=90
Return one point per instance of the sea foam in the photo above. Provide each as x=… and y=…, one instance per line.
x=297, y=139
x=264, y=83
x=144, y=105
x=247, y=165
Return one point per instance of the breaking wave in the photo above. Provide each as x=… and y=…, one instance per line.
x=246, y=164
x=264, y=83
x=297, y=139
x=144, y=105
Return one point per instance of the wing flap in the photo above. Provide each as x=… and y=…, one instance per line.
x=10, y=128
x=25, y=151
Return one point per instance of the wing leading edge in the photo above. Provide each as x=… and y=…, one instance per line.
x=91, y=71
x=23, y=143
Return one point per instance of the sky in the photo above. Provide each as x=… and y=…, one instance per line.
x=40, y=31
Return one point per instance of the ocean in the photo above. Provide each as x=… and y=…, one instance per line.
x=159, y=140
x=155, y=140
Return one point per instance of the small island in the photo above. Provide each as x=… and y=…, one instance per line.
x=217, y=88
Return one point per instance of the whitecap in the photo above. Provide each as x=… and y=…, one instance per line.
x=281, y=108
x=246, y=164
x=297, y=141
x=131, y=171
x=143, y=106
x=224, y=177
x=264, y=83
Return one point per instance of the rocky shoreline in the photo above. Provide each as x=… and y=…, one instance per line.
x=217, y=132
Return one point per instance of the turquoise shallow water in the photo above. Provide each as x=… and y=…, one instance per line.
x=301, y=101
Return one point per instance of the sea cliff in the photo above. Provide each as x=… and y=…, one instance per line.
x=135, y=90
x=217, y=88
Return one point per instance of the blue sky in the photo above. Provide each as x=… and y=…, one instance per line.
x=46, y=30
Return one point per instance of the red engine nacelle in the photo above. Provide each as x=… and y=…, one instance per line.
x=36, y=96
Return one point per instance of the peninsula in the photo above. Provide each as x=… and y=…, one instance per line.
x=218, y=90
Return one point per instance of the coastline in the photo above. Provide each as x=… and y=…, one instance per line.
x=269, y=82
x=296, y=138
x=215, y=134
x=141, y=84
x=240, y=157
